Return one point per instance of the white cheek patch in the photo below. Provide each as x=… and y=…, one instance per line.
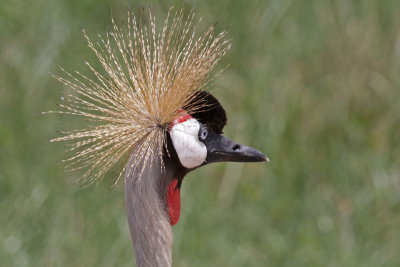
x=191, y=152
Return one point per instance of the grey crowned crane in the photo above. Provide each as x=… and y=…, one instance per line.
x=149, y=114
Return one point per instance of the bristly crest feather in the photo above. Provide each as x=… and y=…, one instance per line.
x=149, y=76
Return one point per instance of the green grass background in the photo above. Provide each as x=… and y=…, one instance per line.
x=313, y=84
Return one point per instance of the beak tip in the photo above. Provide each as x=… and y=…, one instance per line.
x=266, y=159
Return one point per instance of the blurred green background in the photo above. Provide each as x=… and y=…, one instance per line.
x=313, y=84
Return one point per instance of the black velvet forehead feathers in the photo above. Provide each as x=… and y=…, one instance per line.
x=211, y=111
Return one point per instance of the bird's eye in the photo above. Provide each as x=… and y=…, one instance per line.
x=203, y=133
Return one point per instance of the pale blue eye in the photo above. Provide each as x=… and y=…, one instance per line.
x=203, y=133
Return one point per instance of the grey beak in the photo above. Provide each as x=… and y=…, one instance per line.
x=221, y=148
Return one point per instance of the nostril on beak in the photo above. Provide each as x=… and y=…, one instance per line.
x=236, y=147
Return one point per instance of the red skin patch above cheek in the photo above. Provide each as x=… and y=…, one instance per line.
x=182, y=117
x=174, y=202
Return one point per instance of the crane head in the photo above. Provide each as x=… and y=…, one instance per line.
x=197, y=138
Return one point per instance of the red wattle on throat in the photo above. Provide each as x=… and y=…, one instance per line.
x=174, y=202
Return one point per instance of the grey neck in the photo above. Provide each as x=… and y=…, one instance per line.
x=146, y=207
x=148, y=220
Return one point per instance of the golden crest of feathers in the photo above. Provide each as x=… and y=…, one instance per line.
x=148, y=76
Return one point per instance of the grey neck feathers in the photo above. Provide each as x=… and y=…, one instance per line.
x=148, y=219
